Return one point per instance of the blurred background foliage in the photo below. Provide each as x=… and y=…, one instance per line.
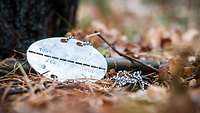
x=133, y=17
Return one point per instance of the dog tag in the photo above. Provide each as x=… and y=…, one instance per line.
x=63, y=59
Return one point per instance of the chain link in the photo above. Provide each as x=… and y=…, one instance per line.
x=124, y=78
x=82, y=43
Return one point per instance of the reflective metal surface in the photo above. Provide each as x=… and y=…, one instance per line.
x=66, y=59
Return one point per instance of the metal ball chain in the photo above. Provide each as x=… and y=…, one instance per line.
x=124, y=78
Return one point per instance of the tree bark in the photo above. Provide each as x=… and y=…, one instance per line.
x=23, y=22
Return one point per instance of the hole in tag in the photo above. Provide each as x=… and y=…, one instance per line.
x=64, y=40
x=54, y=76
x=79, y=44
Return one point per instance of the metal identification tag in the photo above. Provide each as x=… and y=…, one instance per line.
x=66, y=59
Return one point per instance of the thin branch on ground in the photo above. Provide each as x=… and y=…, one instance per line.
x=123, y=55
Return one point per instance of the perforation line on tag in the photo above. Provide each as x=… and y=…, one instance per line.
x=66, y=60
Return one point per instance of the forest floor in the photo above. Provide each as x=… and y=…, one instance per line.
x=174, y=89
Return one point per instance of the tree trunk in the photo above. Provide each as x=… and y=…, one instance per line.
x=24, y=21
